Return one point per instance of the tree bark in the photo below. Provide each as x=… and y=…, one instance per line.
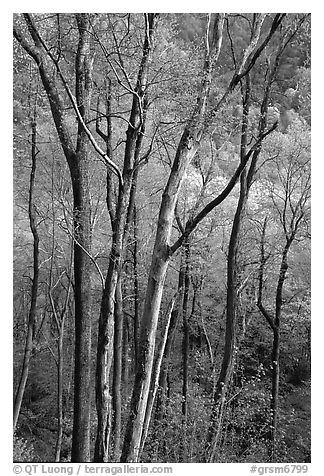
x=79, y=169
x=82, y=293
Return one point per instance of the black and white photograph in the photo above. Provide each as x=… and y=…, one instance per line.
x=161, y=241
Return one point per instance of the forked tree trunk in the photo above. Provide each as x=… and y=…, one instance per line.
x=134, y=136
x=187, y=149
x=105, y=346
x=160, y=261
x=275, y=324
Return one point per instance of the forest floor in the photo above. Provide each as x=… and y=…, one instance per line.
x=39, y=430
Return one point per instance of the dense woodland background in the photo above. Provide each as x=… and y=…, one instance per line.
x=162, y=237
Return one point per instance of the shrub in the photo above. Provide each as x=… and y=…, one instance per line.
x=23, y=451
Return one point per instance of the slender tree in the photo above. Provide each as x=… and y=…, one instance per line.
x=35, y=279
x=246, y=180
x=185, y=346
x=293, y=210
x=162, y=251
x=156, y=374
x=134, y=136
x=78, y=162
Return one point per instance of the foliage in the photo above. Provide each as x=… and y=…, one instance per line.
x=279, y=193
x=23, y=452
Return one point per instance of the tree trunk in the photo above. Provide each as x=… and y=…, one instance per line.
x=275, y=323
x=78, y=165
x=82, y=293
x=229, y=348
x=156, y=375
x=34, y=291
x=274, y=392
x=116, y=390
x=144, y=364
x=136, y=282
x=106, y=322
x=163, y=379
x=231, y=298
x=185, y=351
x=79, y=169
x=125, y=357
x=246, y=180
x=159, y=265
x=106, y=341
x=60, y=362
x=186, y=150
x=276, y=350
x=163, y=391
x=60, y=325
